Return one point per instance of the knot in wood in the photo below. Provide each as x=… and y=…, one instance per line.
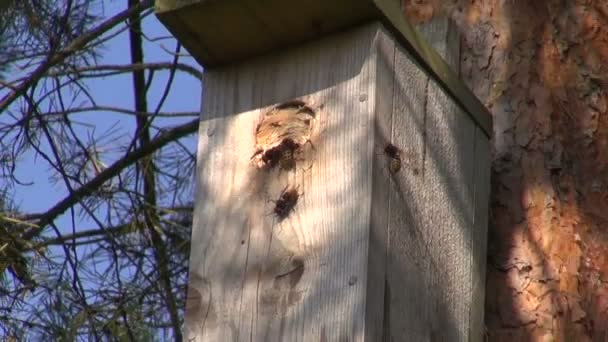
x=281, y=134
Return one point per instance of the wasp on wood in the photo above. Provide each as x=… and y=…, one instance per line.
x=287, y=201
x=394, y=154
x=281, y=135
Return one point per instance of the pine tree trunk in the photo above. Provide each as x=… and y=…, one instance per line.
x=541, y=68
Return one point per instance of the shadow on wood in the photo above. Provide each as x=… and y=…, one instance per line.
x=365, y=253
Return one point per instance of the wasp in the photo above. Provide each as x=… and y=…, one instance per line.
x=394, y=154
x=281, y=135
x=287, y=201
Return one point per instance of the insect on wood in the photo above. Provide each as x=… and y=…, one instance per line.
x=394, y=154
x=281, y=135
x=286, y=202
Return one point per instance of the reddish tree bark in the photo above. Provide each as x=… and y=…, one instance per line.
x=541, y=67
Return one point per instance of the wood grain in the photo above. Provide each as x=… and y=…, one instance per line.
x=366, y=254
x=483, y=164
x=449, y=165
x=304, y=278
x=437, y=225
x=377, y=301
x=410, y=263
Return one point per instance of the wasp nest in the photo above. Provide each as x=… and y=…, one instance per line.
x=281, y=134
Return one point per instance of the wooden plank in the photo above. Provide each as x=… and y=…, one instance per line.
x=367, y=254
x=304, y=278
x=480, y=234
x=410, y=262
x=227, y=31
x=432, y=62
x=378, y=302
x=437, y=229
x=448, y=173
x=235, y=30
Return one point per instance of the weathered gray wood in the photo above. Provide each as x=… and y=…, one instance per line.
x=377, y=301
x=480, y=234
x=410, y=264
x=449, y=198
x=432, y=62
x=438, y=215
x=226, y=31
x=305, y=278
x=217, y=32
x=368, y=254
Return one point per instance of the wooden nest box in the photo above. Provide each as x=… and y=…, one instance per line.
x=343, y=174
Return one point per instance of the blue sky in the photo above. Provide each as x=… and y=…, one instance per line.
x=185, y=96
x=114, y=91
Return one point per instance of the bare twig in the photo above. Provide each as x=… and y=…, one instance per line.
x=72, y=48
x=155, y=144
